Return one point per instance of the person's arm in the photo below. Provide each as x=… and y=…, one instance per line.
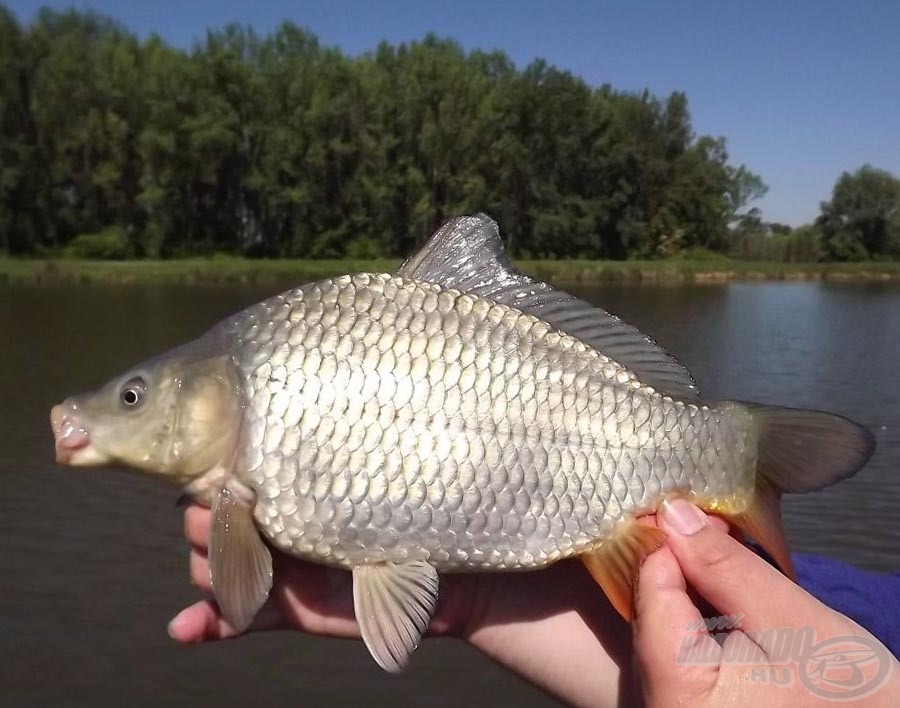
x=554, y=628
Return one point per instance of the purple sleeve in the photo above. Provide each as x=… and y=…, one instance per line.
x=871, y=599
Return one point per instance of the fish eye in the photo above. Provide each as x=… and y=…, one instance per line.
x=132, y=392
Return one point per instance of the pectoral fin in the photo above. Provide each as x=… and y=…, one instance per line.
x=240, y=564
x=616, y=563
x=393, y=603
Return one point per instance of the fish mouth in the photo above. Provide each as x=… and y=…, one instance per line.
x=73, y=441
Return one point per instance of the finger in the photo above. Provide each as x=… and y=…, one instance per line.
x=719, y=523
x=670, y=638
x=199, y=565
x=733, y=578
x=197, y=525
x=202, y=622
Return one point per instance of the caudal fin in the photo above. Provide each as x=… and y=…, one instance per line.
x=798, y=451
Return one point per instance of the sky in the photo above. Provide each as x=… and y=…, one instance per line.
x=803, y=90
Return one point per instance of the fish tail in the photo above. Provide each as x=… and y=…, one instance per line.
x=797, y=451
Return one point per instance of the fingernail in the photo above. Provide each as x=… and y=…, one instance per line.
x=682, y=516
x=175, y=624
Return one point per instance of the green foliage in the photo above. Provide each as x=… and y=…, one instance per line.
x=363, y=248
x=803, y=244
x=703, y=255
x=755, y=240
x=862, y=220
x=274, y=146
x=108, y=245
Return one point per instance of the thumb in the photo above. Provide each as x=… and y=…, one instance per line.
x=729, y=575
x=203, y=622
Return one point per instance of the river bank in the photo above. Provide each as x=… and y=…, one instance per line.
x=240, y=270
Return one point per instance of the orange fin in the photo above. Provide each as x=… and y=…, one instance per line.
x=762, y=521
x=614, y=565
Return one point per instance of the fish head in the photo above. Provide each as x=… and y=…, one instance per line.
x=177, y=415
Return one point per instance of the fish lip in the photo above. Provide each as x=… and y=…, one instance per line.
x=66, y=455
x=85, y=456
x=72, y=437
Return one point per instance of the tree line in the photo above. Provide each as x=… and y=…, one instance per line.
x=277, y=146
x=860, y=222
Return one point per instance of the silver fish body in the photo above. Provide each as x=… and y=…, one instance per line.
x=392, y=420
x=457, y=416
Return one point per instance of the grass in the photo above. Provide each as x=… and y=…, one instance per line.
x=239, y=270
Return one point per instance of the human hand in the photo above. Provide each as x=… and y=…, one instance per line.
x=311, y=598
x=740, y=584
x=517, y=619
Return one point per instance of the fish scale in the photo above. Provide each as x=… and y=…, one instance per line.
x=506, y=444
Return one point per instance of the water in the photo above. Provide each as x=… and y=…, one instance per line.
x=94, y=564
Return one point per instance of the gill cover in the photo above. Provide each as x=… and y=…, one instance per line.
x=207, y=417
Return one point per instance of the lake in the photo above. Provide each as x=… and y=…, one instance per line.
x=94, y=563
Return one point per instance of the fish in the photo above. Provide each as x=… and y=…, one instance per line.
x=454, y=416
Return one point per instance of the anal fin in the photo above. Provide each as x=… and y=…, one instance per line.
x=615, y=564
x=240, y=563
x=393, y=603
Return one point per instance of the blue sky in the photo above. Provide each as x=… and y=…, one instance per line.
x=802, y=90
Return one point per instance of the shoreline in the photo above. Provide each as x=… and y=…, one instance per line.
x=246, y=271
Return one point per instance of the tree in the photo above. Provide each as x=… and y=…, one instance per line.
x=862, y=220
x=16, y=139
x=276, y=146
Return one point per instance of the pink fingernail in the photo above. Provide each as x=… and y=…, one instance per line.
x=175, y=624
x=682, y=516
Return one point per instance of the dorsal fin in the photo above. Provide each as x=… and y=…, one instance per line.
x=467, y=254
